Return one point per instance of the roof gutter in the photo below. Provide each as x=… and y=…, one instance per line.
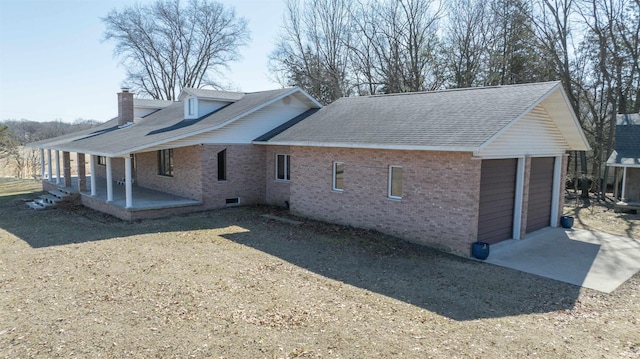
x=373, y=146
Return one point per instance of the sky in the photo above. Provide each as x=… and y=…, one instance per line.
x=55, y=66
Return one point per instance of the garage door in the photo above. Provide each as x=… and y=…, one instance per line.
x=540, y=191
x=497, y=195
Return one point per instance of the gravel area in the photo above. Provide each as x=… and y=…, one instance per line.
x=236, y=284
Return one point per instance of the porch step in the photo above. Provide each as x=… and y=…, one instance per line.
x=60, y=193
x=51, y=198
x=43, y=202
x=35, y=205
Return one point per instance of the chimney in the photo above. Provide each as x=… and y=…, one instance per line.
x=125, y=107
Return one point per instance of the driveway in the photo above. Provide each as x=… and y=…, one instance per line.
x=589, y=259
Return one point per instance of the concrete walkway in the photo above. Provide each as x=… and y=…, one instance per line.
x=589, y=259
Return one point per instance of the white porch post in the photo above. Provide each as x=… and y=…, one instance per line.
x=109, y=181
x=557, y=187
x=49, y=165
x=127, y=182
x=517, y=207
x=623, y=197
x=57, y=167
x=42, y=163
x=92, y=169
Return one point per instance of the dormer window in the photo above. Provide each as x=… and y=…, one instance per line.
x=191, y=107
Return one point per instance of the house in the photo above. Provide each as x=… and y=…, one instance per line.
x=159, y=158
x=626, y=156
x=444, y=168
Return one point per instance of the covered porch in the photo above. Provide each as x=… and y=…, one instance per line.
x=146, y=203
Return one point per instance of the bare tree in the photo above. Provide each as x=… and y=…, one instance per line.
x=312, y=50
x=165, y=46
x=467, y=41
x=400, y=40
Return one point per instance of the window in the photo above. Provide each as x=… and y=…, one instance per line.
x=102, y=160
x=191, y=106
x=338, y=176
x=165, y=162
x=283, y=172
x=222, y=165
x=395, y=182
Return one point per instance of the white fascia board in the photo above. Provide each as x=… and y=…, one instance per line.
x=373, y=146
x=525, y=112
x=257, y=108
x=535, y=154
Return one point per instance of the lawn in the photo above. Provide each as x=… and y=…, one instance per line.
x=234, y=284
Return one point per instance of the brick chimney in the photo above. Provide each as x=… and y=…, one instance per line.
x=125, y=107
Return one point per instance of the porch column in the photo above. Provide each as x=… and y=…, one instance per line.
x=127, y=182
x=92, y=169
x=556, y=191
x=66, y=168
x=82, y=173
x=623, y=197
x=517, y=207
x=109, y=181
x=57, y=167
x=42, y=163
x=49, y=166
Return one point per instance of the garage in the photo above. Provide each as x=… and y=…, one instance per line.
x=497, y=196
x=540, y=193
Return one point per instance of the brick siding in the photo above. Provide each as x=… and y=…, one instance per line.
x=187, y=171
x=440, y=193
x=245, y=175
x=277, y=192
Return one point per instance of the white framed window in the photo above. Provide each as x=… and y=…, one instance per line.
x=395, y=182
x=191, y=106
x=102, y=160
x=283, y=169
x=338, y=176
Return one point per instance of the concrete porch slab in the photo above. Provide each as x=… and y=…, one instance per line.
x=589, y=259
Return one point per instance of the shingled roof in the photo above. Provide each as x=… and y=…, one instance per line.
x=453, y=120
x=627, y=146
x=159, y=127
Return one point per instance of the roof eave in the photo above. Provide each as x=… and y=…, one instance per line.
x=369, y=146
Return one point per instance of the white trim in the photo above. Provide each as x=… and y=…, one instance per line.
x=519, y=194
x=57, y=167
x=127, y=182
x=92, y=169
x=624, y=185
x=333, y=181
x=391, y=167
x=109, y=180
x=49, y=165
x=556, y=191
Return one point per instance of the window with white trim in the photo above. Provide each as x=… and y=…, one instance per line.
x=395, y=182
x=283, y=169
x=191, y=106
x=338, y=176
x=102, y=160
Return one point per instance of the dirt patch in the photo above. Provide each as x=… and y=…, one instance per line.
x=598, y=215
x=233, y=284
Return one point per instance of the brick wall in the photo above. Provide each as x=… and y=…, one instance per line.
x=439, y=205
x=277, y=192
x=245, y=175
x=117, y=169
x=187, y=172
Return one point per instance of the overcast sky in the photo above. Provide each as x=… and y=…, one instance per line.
x=54, y=66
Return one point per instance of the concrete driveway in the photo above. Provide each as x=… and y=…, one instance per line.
x=589, y=259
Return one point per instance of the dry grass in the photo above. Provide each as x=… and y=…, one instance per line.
x=233, y=284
